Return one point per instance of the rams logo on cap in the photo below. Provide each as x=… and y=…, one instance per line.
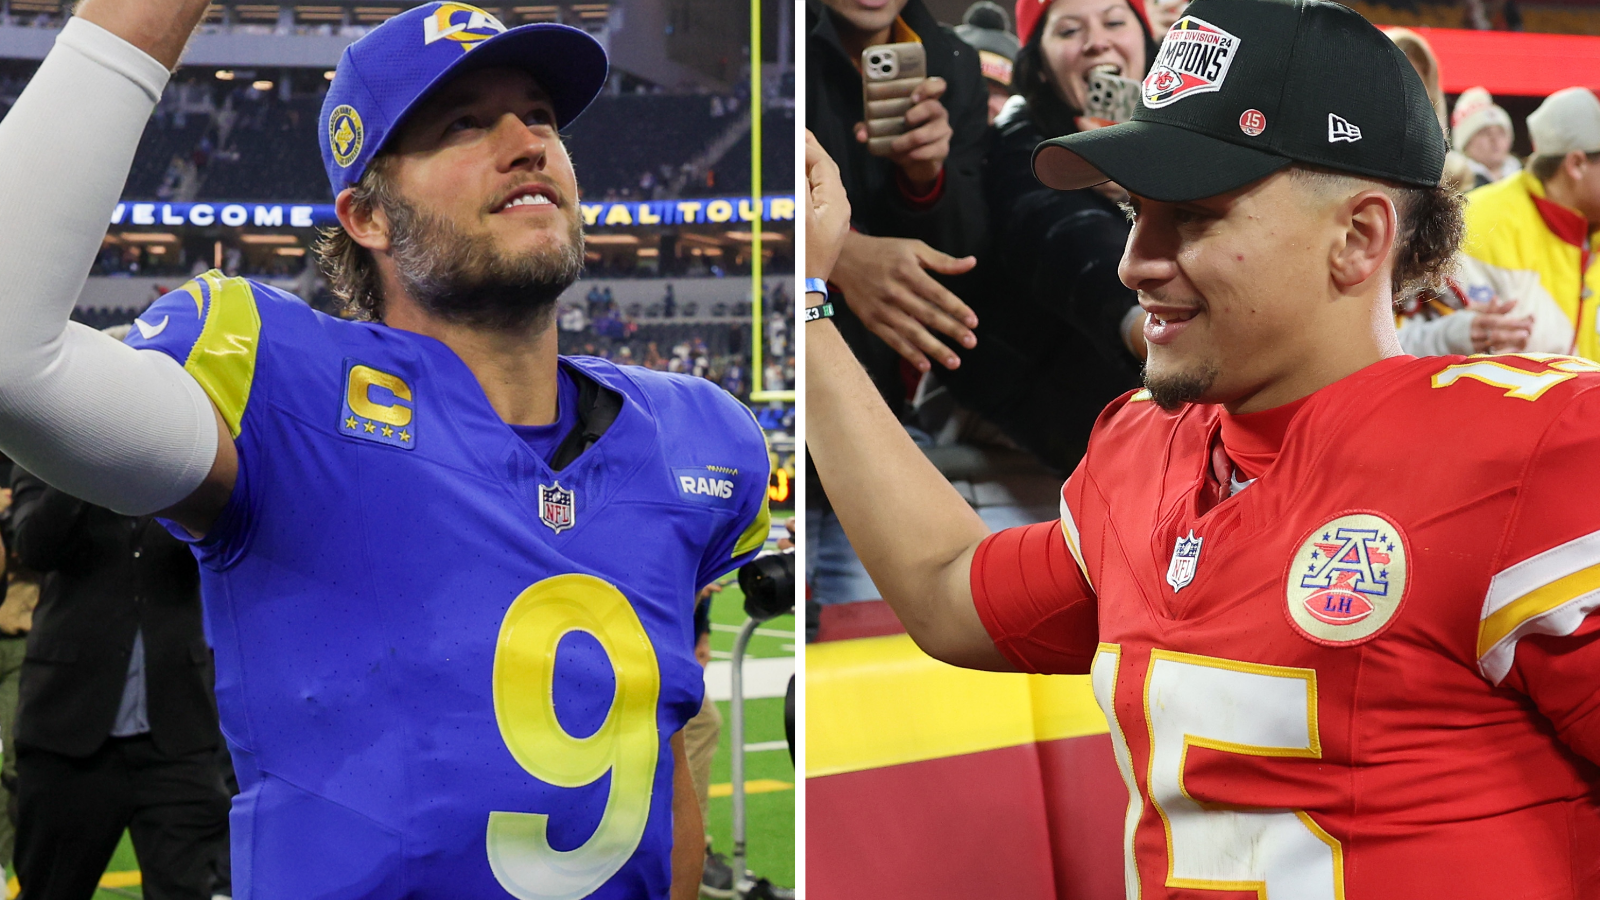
x=344, y=135
x=468, y=26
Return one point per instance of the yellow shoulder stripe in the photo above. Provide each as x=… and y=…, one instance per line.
x=224, y=357
x=1502, y=622
x=1550, y=593
x=755, y=534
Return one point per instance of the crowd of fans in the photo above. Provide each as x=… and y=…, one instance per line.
x=227, y=139
x=657, y=337
x=965, y=277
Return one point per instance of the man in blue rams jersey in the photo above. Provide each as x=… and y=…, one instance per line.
x=449, y=577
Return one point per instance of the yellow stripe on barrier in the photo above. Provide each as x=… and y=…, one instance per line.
x=877, y=702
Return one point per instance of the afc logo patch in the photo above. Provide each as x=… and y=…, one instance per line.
x=558, y=508
x=378, y=406
x=1347, y=579
x=468, y=26
x=344, y=135
x=1194, y=59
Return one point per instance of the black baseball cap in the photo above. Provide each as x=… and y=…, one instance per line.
x=1242, y=88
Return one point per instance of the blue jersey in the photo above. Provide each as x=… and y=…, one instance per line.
x=445, y=670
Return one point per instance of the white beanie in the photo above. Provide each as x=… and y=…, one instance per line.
x=1567, y=120
x=1475, y=110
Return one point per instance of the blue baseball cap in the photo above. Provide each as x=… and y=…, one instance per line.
x=383, y=76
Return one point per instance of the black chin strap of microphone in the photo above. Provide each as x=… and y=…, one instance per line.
x=597, y=408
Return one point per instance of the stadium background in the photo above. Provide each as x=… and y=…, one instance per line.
x=925, y=780
x=228, y=175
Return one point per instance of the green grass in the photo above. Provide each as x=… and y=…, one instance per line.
x=769, y=831
x=769, y=818
x=121, y=861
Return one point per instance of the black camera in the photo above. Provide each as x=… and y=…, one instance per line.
x=768, y=585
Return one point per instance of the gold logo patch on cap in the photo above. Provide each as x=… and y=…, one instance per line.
x=1347, y=579
x=344, y=135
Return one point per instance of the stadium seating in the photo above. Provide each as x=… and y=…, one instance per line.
x=272, y=154
x=619, y=139
x=777, y=157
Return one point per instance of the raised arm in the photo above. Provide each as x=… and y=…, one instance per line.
x=914, y=533
x=121, y=428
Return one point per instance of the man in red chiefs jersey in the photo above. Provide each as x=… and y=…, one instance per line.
x=1335, y=601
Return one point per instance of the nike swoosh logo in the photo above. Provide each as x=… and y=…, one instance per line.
x=150, y=332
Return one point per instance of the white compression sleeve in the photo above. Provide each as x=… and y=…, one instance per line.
x=119, y=427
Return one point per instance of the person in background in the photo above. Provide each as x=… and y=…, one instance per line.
x=1163, y=13
x=1481, y=131
x=918, y=210
x=700, y=736
x=987, y=28
x=116, y=725
x=919, y=218
x=1061, y=329
x=19, y=594
x=1420, y=53
x=1528, y=236
x=1457, y=171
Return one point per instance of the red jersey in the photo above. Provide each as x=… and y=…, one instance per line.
x=1369, y=674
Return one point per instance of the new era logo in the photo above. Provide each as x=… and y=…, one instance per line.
x=1341, y=130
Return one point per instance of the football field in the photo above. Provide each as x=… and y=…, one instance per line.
x=769, y=775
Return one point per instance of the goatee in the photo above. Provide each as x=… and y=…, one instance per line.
x=1174, y=389
x=465, y=278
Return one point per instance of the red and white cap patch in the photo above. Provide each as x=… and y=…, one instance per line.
x=1194, y=59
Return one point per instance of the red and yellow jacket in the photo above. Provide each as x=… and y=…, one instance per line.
x=1522, y=246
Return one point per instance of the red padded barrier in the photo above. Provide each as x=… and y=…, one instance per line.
x=1034, y=822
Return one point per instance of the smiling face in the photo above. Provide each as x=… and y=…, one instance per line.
x=1239, y=288
x=1082, y=35
x=483, y=225
x=867, y=17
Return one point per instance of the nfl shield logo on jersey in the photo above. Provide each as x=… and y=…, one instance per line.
x=556, y=507
x=1185, y=556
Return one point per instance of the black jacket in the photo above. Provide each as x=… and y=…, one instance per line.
x=1050, y=353
x=955, y=224
x=106, y=577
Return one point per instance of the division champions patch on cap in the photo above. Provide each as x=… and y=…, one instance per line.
x=345, y=135
x=1347, y=579
x=1194, y=59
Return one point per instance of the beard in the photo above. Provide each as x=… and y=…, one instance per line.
x=465, y=278
x=1171, y=390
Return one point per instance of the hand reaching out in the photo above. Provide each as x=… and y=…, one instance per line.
x=1494, y=330
x=885, y=283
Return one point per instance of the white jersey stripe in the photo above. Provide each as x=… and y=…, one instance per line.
x=1550, y=593
x=1069, y=529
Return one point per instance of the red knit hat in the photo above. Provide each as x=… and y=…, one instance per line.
x=1029, y=12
